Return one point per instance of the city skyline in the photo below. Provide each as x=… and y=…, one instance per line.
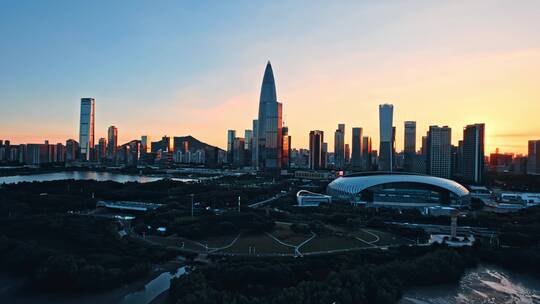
x=468, y=76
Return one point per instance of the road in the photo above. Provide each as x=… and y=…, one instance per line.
x=432, y=228
x=273, y=198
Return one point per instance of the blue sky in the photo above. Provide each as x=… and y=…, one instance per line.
x=194, y=67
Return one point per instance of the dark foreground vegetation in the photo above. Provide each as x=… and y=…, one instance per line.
x=370, y=276
x=363, y=277
x=49, y=236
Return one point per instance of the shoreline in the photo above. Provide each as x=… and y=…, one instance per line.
x=11, y=291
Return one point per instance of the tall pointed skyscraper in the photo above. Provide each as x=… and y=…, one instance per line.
x=269, y=133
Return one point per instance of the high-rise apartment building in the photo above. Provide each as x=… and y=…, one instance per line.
x=473, y=153
x=339, y=146
x=357, y=148
x=439, y=158
x=386, y=131
x=316, y=157
x=86, y=128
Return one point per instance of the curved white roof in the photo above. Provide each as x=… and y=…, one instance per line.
x=356, y=184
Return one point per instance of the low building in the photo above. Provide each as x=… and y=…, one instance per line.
x=309, y=199
x=318, y=175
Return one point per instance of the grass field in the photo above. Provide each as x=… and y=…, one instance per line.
x=262, y=243
x=174, y=241
x=284, y=233
x=387, y=239
x=327, y=243
x=218, y=241
x=366, y=236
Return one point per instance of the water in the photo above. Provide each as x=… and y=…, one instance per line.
x=483, y=285
x=85, y=175
x=153, y=289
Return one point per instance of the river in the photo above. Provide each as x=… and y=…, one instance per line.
x=153, y=288
x=483, y=285
x=12, y=291
x=85, y=175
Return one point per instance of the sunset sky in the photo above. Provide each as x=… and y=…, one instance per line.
x=195, y=67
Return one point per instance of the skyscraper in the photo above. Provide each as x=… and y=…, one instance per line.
x=473, y=153
x=238, y=152
x=409, y=145
x=439, y=158
x=72, y=150
x=347, y=154
x=269, y=133
x=254, y=143
x=357, y=148
x=86, y=128
x=339, y=146
x=386, y=112
x=145, y=144
x=248, y=145
x=231, y=135
x=286, y=148
x=102, y=149
x=533, y=157
x=366, y=153
x=324, y=158
x=316, y=139
x=112, y=144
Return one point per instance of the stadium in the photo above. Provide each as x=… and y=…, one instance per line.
x=396, y=189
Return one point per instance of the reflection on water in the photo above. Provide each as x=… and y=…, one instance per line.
x=83, y=175
x=153, y=289
x=483, y=285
